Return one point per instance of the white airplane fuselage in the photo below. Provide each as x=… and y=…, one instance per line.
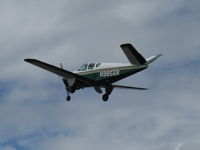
x=105, y=71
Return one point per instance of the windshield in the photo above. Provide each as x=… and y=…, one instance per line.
x=83, y=67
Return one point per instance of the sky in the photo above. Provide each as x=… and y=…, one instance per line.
x=33, y=112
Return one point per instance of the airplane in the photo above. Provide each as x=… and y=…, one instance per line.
x=98, y=74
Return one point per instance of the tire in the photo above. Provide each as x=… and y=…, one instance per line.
x=68, y=98
x=105, y=97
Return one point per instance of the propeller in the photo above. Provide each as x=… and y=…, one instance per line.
x=61, y=66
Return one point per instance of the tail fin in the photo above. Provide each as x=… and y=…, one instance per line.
x=133, y=56
x=136, y=58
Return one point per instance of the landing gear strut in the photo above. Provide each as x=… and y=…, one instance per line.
x=68, y=98
x=72, y=90
x=108, y=90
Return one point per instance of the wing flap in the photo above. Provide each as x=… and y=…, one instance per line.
x=59, y=71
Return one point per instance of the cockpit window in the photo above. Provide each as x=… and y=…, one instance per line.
x=91, y=65
x=83, y=67
x=98, y=64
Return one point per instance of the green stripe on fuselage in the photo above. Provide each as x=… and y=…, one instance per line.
x=106, y=74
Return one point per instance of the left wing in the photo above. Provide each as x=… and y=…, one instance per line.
x=59, y=71
x=128, y=87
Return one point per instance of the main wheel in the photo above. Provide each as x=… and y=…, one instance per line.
x=68, y=98
x=105, y=97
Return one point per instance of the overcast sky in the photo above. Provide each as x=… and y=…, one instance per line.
x=33, y=112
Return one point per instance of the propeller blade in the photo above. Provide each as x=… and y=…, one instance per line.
x=61, y=66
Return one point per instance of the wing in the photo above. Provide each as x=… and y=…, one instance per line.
x=128, y=87
x=59, y=71
x=133, y=56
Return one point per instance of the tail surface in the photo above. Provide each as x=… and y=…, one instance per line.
x=135, y=57
x=132, y=54
x=152, y=58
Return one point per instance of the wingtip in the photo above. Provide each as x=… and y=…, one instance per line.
x=29, y=60
x=125, y=44
x=144, y=89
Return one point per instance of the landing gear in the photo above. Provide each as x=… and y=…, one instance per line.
x=71, y=90
x=68, y=98
x=105, y=97
x=108, y=90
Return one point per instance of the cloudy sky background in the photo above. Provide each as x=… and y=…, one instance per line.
x=33, y=112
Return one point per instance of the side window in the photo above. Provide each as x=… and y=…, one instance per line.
x=98, y=64
x=83, y=67
x=91, y=66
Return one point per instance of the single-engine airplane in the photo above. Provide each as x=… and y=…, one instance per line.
x=100, y=75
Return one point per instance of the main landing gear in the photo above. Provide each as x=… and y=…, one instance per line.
x=108, y=91
x=105, y=97
x=68, y=98
x=69, y=90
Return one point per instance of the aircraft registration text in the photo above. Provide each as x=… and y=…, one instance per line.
x=109, y=73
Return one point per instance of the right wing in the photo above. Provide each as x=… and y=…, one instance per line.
x=59, y=71
x=133, y=56
x=128, y=87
